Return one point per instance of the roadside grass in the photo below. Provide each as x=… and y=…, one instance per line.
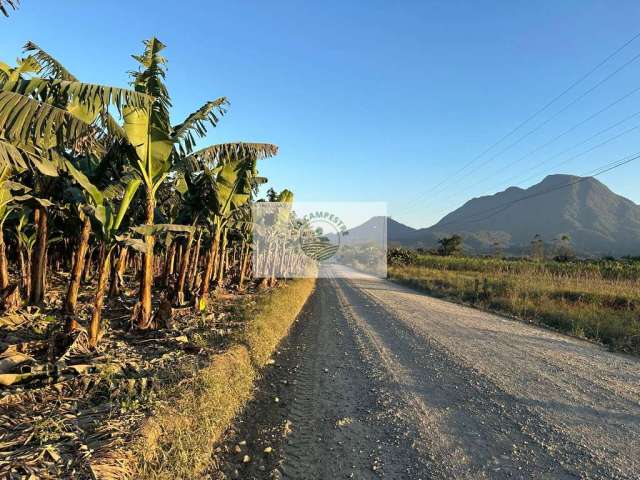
x=272, y=318
x=595, y=300
x=178, y=440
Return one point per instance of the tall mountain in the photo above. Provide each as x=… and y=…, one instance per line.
x=597, y=220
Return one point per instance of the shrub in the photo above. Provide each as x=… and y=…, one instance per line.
x=401, y=256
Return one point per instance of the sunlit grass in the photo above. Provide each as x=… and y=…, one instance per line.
x=596, y=300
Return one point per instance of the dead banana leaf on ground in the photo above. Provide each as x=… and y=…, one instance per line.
x=10, y=298
x=10, y=361
x=70, y=345
x=12, y=321
x=8, y=379
x=33, y=348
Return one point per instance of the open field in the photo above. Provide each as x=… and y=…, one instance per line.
x=596, y=300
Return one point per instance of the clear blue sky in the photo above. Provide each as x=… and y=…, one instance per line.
x=373, y=99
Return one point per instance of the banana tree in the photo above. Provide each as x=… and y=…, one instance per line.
x=276, y=237
x=13, y=195
x=8, y=202
x=157, y=145
x=25, y=240
x=109, y=213
x=241, y=223
x=285, y=197
x=5, y=199
x=96, y=160
x=231, y=170
x=192, y=196
x=44, y=119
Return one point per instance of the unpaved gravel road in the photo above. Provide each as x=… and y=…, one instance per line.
x=380, y=381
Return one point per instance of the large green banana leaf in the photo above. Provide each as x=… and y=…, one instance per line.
x=233, y=187
x=11, y=155
x=6, y=4
x=27, y=121
x=103, y=207
x=152, y=143
x=195, y=123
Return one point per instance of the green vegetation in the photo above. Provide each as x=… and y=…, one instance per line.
x=450, y=245
x=599, y=300
x=108, y=163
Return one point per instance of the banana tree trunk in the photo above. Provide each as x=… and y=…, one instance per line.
x=223, y=258
x=178, y=259
x=276, y=262
x=244, y=262
x=25, y=262
x=4, y=265
x=76, y=272
x=182, y=275
x=283, y=258
x=146, y=283
x=38, y=266
x=266, y=265
x=98, y=303
x=206, y=280
x=117, y=278
x=86, y=271
x=168, y=266
x=194, y=263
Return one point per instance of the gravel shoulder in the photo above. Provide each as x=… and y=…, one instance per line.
x=379, y=381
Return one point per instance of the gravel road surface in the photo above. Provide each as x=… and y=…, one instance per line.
x=380, y=381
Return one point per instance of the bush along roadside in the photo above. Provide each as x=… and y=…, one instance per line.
x=177, y=440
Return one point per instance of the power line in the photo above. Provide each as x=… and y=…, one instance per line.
x=557, y=155
x=555, y=115
x=574, y=127
x=590, y=149
x=500, y=208
x=570, y=159
x=538, y=112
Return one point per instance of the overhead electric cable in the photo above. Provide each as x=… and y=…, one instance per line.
x=500, y=208
x=538, y=112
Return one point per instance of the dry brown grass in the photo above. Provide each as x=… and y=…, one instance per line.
x=582, y=301
x=178, y=440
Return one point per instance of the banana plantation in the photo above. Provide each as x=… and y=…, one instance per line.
x=114, y=220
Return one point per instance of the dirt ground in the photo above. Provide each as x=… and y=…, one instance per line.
x=380, y=381
x=76, y=410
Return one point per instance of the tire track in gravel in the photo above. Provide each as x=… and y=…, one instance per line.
x=333, y=418
x=341, y=426
x=471, y=427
